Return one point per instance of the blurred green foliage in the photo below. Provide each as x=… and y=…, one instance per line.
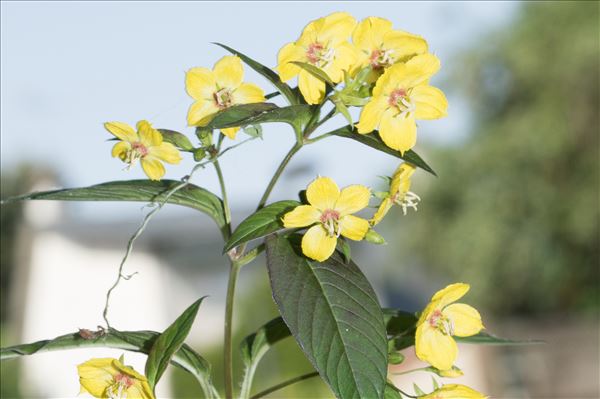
x=515, y=211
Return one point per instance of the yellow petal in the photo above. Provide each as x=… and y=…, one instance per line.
x=421, y=68
x=96, y=375
x=404, y=44
x=371, y=114
x=317, y=244
x=166, y=152
x=383, y=209
x=345, y=56
x=390, y=80
x=153, y=168
x=120, y=150
x=430, y=102
x=229, y=72
x=466, y=320
x=450, y=293
x=334, y=28
x=122, y=131
x=200, y=83
x=401, y=178
x=434, y=347
x=312, y=89
x=353, y=227
x=230, y=132
x=248, y=93
x=353, y=199
x=301, y=216
x=323, y=193
x=398, y=132
x=289, y=52
x=454, y=391
x=149, y=136
x=369, y=33
x=201, y=112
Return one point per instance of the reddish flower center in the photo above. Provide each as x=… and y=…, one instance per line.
x=123, y=380
x=380, y=59
x=330, y=221
x=223, y=98
x=139, y=149
x=319, y=55
x=397, y=96
x=436, y=318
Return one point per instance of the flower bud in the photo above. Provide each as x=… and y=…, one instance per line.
x=374, y=237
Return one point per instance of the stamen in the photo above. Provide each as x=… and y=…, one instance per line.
x=319, y=55
x=330, y=221
x=408, y=200
x=223, y=98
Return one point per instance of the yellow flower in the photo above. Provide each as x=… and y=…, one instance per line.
x=398, y=193
x=109, y=378
x=330, y=211
x=400, y=96
x=379, y=46
x=441, y=320
x=454, y=391
x=219, y=89
x=324, y=44
x=146, y=144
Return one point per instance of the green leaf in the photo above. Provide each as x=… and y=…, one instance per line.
x=251, y=114
x=344, y=247
x=263, y=222
x=135, y=341
x=484, y=338
x=373, y=140
x=179, y=140
x=268, y=73
x=391, y=392
x=169, y=342
x=334, y=315
x=315, y=71
x=139, y=191
x=256, y=345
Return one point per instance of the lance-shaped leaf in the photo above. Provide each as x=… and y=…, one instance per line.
x=484, y=338
x=263, y=222
x=256, y=345
x=179, y=140
x=169, y=342
x=315, y=71
x=251, y=114
x=139, y=191
x=135, y=341
x=334, y=315
x=373, y=140
x=268, y=73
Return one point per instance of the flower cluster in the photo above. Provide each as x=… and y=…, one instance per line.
x=396, y=62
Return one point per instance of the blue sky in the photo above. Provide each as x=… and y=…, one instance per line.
x=69, y=66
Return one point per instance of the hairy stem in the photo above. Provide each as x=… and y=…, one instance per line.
x=284, y=384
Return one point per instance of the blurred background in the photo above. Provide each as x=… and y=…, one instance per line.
x=514, y=211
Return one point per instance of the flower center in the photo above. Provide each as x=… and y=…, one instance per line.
x=381, y=59
x=400, y=98
x=137, y=151
x=441, y=322
x=118, y=390
x=223, y=98
x=319, y=55
x=330, y=221
x=406, y=200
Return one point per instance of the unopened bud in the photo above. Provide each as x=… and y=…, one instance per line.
x=395, y=358
x=374, y=237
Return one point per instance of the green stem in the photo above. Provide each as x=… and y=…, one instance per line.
x=223, y=194
x=412, y=371
x=284, y=384
x=277, y=174
x=228, y=351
